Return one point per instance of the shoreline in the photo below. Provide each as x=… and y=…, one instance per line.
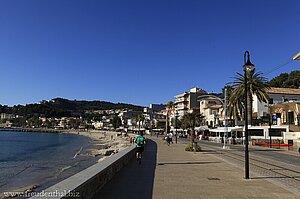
x=102, y=144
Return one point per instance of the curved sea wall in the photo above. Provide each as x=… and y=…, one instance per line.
x=86, y=183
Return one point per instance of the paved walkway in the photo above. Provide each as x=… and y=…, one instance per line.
x=170, y=172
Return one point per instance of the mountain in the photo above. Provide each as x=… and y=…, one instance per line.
x=60, y=107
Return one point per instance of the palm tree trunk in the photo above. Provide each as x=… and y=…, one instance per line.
x=235, y=118
x=192, y=135
x=250, y=105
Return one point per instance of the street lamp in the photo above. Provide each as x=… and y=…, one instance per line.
x=248, y=67
x=225, y=120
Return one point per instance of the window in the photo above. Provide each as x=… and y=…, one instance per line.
x=276, y=132
x=256, y=132
x=271, y=101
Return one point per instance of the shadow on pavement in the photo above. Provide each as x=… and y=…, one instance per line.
x=270, y=177
x=187, y=163
x=134, y=180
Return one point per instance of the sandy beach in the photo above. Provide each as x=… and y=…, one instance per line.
x=106, y=142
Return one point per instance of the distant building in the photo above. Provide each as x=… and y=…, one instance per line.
x=187, y=101
x=128, y=117
x=7, y=116
x=157, y=107
x=212, y=109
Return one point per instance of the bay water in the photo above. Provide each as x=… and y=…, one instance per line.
x=40, y=159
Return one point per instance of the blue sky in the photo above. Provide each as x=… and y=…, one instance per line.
x=138, y=51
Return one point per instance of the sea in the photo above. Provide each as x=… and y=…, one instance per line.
x=39, y=159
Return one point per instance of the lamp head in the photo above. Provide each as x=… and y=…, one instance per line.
x=248, y=66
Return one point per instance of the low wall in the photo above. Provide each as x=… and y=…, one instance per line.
x=86, y=183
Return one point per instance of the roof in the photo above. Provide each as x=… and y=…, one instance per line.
x=291, y=91
x=181, y=95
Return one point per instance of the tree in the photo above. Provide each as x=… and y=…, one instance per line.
x=169, y=108
x=279, y=80
x=285, y=80
x=34, y=122
x=293, y=80
x=74, y=123
x=256, y=85
x=191, y=120
x=116, y=122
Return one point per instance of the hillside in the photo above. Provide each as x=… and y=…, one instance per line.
x=75, y=105
x=60, y=107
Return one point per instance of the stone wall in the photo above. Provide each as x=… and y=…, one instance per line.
x=86, y=183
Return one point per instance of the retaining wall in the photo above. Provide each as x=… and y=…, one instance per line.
x=86, y=183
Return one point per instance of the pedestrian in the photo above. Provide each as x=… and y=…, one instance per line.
x=169, y=138
x=140, y=141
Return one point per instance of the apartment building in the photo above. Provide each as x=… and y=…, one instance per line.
x=212, y=109
x=187, y=101
x=277, y=96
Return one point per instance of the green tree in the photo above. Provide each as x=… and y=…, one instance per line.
x=116, y=122
x=256, y=85
x=34, y=122
x=293, y=80
x=74, y=123
x=285, y=80
x=191, y=120
x=279, y=80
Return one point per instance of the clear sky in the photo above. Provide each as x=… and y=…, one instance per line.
x=138, y=51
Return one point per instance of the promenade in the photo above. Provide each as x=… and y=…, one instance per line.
x=170, y=172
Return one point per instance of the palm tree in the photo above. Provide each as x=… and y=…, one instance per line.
x=235, y=108
x=169, y=108
x=256, y=84
x=191, y=120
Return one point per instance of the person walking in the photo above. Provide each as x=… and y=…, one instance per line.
x=169, y=138
x=157, y=133
x=140, y=141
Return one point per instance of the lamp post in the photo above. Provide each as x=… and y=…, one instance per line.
x=225, y=120
x=248, y=67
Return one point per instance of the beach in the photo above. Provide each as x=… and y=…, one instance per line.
x=106, y=142
x=99, y=145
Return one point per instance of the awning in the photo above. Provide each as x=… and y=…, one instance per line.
x=229, y=129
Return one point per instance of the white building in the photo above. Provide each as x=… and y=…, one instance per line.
x=187, y=101
x=277, y=95
x=212, y=109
